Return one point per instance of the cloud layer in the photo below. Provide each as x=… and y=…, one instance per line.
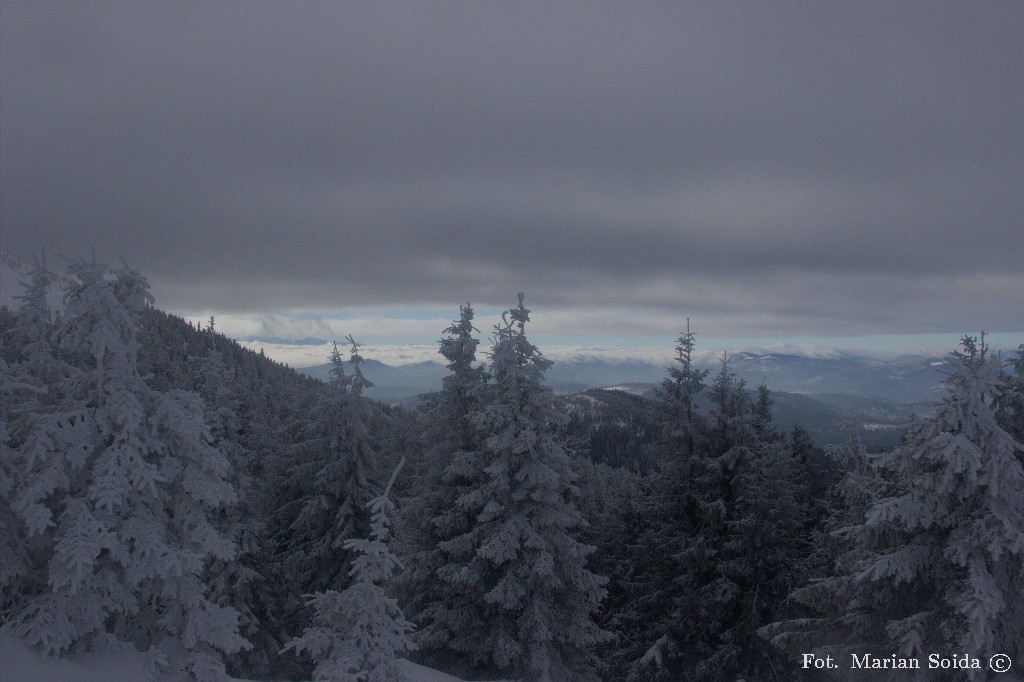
x=768, y=169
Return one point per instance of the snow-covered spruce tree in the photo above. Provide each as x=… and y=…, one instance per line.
x=684, y=425
x=16, y=569
x=29, y=344
x=725, y=548
x=460, y=390
x=1010, y=405
x=254, y=407
x=752, y=542
x=359, y=634
x=324, y=487
x=732, y=416
x=935, y=563
x=237, y=583
x=762, y=422
x=521, y=599
x=30, y=372
x=658, y=519
x=764, y=551
x=124, y=484
x=824, y=601
x=431, y=513
x=608, y=497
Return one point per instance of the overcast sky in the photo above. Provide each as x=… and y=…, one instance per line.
x=770, y=170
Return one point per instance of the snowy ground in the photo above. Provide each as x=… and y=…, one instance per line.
x=18, y=663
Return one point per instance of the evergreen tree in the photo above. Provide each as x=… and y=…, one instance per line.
x=238, y=583
x=725, y=547
x=122, y=485
x=763, y=430
x=1010, y=404
x=732, y=415
x=640, y=574
x=254, y=405
x=432, y=514
x=461, y=391
x=18, y=577
x=643, y=590
x=935, y=561
x=800, y=442
x=30, y=371
x=359, y=634
x=29, y=343
x=522, y=600
x=685, y=429
x=324, y=487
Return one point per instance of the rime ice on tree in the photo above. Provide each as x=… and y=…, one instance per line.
x=432, y=515
x=936, y=562
x=359, y=634
x=121, y=483
x=325, y=487
x=30, y=372
x=521, y=599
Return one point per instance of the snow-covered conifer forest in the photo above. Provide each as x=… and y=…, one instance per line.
x=168, y=493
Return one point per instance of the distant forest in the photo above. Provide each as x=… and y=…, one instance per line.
x=165, y=489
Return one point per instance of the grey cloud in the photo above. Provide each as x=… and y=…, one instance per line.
x=837, y=167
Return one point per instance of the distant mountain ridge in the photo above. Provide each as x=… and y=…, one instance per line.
x=904, y=380
x=828, y=396
x=391, y=384
x=901, y=381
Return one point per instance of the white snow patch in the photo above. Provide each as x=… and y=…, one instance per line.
x=634, y=390
x=883, y=427
x=19, y=663
x=418, y=673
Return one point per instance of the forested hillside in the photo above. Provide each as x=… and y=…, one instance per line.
x=168, y=491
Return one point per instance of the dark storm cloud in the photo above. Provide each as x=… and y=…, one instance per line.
x=836, y=168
